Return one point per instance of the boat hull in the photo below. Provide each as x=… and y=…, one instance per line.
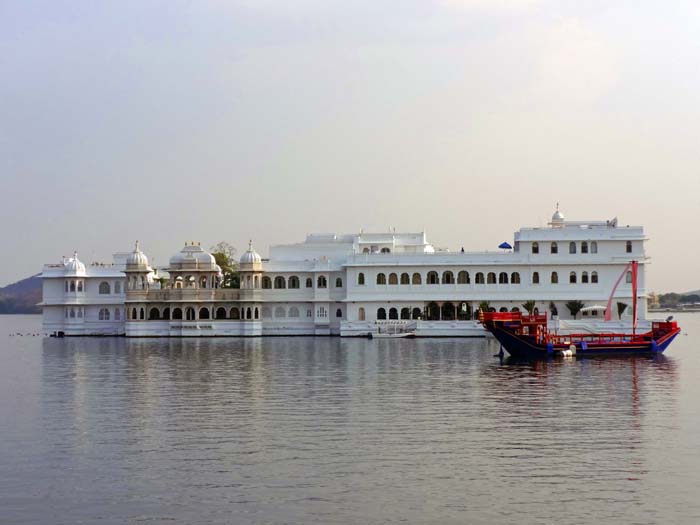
x=527, y=348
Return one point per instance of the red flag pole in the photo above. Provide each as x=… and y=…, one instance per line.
x=635, y=266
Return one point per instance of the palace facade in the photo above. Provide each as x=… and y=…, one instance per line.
x=346, y=285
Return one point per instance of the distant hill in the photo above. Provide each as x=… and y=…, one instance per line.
x=21, y=297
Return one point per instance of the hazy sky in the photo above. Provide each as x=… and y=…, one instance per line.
x=208, y=120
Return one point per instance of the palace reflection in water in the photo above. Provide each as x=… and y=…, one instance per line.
x=330, y=430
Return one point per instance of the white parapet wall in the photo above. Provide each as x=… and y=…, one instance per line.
x=422, y=328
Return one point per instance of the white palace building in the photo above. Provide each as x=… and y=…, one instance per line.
x=346, y=285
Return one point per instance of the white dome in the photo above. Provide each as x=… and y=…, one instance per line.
x=137, y=257
x=192, y=254
x=251, y=256
x=558, y=216
x=73, y=264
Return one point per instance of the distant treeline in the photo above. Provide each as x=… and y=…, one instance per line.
x=17, y=305
x=674, y=299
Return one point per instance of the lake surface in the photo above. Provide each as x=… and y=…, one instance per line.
x=328, y=430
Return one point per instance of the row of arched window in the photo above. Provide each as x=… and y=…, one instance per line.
x=74, y=286
x=573, y=278
x=191, y=314
x=584, y=248
x=293, y=312
x=293, y=282
x=447, y=277
x=105, y=288
x=104, y=314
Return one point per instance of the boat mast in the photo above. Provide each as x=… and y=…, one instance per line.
x=635, y=268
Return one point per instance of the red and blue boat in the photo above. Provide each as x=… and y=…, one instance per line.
x=528, y=337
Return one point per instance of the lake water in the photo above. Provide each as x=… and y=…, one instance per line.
x=328, y=430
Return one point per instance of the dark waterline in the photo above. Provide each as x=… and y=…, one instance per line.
x=328, y=430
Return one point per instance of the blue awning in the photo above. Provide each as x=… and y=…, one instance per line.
x=505, y=246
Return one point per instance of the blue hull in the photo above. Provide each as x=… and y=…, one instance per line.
x=524, y=347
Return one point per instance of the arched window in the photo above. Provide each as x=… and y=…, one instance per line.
x=553, y=248
x=381, y=314
x=178, y=281
x=118, y=314
x=153, y=314
x=503, y=309
x=339, y=313
x=234, y=313
x=584, y=247
x=416, y=279
x=221, y=313
x=309, y=282
x=72, y=313
x=103, y=314
x=248, y=313
x=535, y=247
x=80, y=312
x=203, y=281
x=535, y=277
x=405, y=313
x=386, y=250
x=491, y=278
x=189, y=313
x=204, y=313
x=279, y=312
x=572, y=278
x=515, y=278
x=338, y=282
x=294, y=312
x=66, y=283
x=417, y=313
x=405, y=279
x=584, y=277
x=448, y=277
x=279, y=282
x=360, y=279
x=80, y=286
x=393, y=313
x=294, y=282
x=266, y=282
x=361, y=314
x=479, y=278
x=554, y=278
x=322, y=282
x=628, y=246
x=266, y=313
x=628, y=277
x=594, y=277
x=104, y=288
x=256, y=313
x=365, y=250
x=572, y=247
x=393, y=278
x=166, y=314
x=433, y=278
x=142, y=314
x=177, y=313
x=503, y=278
x=72, y=286
x=463, y=277
x=594, y=247
x=381, y=278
